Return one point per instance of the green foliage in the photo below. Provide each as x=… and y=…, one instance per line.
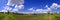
x=20, y=16
x=57, y=17
x=11, y=17
x=48, y=12
x=2, y=16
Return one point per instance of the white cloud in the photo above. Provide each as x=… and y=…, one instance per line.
x=53, y=6
x=30, y=9
x=15, y=10
x=49, y=9
x=21, y=1
x=46, y=6
x=12, y=2
x=39, y=10
x=3, y=11
x=58, y=6
x=19, y=7
x=15, y=2
x=7, y=8
x=42, y=10
x=8, y=2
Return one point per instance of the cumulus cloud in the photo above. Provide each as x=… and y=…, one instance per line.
x=30, y=9
x=39, y=10
x=8, y=2
x=3, y=11
x=19, y=7
x=42, y=10
x=53, y=6
x=21, y=1
x=14, y=2
x=46, y=6
x=49, y=9
x=7, y=8
x=15, y=10
x=58, y=6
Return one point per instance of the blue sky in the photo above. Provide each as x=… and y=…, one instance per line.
x=34, y=5
x=38, y=4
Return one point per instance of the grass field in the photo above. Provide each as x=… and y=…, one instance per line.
x=11, y=16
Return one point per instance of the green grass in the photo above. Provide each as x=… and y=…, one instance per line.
x=29, y=17
x=2, y=16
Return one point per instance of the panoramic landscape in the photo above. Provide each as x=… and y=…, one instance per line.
x=20, y=16
x=29, y=9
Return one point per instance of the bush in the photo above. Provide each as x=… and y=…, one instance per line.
x=57, y=17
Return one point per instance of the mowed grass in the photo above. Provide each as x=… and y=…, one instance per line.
x=2, y=16
x=11, y=16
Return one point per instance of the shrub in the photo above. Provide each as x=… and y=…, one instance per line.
x=57, y=17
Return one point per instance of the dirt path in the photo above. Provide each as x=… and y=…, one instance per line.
x=5, y=18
